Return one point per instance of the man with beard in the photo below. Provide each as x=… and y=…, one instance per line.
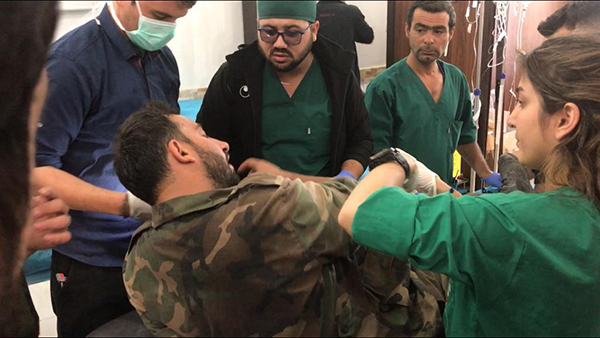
x=291, y=99
x=422, y=104
x=260, y=257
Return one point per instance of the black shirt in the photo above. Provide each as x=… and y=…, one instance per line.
x=344, y=24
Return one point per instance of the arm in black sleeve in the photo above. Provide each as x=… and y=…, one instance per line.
x=359, y=145
x=214, y=114
x=363, y=33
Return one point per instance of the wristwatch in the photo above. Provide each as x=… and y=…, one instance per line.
x=389, y=155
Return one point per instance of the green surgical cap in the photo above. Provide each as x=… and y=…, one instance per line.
x=301, y=10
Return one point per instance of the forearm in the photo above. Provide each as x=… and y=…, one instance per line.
x=78, y=194
x=354, y=167
x=366, y=35
x=363, y=33
x=351, y=166
x=443, y=187
x=473, y=155
x=385, y=175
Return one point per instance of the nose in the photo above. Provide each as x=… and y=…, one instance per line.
x=222, y=144
x=428, y=37
x=512, y=119
x=279, y=43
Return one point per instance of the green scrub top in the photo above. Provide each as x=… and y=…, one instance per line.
x=403, y=114
x=296, y=131
x=520, y=264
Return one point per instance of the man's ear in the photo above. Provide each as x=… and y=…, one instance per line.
x=406, y=29
x=452, y=33
x=565, y=120
x=315, y=29
x=180, y=152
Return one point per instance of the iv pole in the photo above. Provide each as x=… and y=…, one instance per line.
x=478, y=84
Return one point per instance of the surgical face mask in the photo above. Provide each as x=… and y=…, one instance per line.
x=151, y=34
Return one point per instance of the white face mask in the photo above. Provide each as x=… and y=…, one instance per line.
x=151, y=34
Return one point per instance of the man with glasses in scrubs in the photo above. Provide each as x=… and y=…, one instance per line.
x=289, y=103
x=422, y=104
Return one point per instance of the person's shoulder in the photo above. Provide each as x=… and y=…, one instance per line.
x=570, y=199
x=353, y=9
x=277, y=190
x=240, y=61
x=390, y=76
x=448, y=67
x=263, y=180
x=453, y=71
x=521, y=203
x=244, y=56
x=79, y=43
x=332, y=56
x=260, y=187
x=166, y=52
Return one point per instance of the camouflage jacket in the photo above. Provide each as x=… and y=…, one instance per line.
x=259, y=259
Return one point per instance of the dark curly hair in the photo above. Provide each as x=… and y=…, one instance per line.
x=573, y=15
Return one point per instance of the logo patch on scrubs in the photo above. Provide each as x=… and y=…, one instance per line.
x=244, y=92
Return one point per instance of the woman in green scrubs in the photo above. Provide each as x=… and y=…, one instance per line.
x=520, y=264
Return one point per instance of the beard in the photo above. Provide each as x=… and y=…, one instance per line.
x=217, y=169
x=426, y=58
x=284, y=68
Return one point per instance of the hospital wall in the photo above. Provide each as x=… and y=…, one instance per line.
x=213, y=29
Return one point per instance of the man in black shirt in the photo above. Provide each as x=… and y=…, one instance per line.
x=344, y=24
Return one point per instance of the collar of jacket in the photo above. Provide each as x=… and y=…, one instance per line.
x=328, y=53
x=167, y=211
x=180, y=206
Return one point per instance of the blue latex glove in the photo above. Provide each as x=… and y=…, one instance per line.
x=495, y=180
x=345, y=173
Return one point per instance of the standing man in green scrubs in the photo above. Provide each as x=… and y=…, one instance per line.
x=289, y=103
x=422, y=104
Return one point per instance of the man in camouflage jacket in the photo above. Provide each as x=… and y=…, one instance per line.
x=263, y=257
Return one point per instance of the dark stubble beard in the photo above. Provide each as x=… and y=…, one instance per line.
x=423, y=61
x=217, y=169
x=295, y=62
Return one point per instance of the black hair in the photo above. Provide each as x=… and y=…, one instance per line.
x=433, y=7
x=140, y=149
x=574, y=14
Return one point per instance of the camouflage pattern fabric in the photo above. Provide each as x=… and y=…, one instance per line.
x=250, y=260
x=397, y=301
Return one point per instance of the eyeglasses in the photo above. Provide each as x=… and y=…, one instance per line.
x=291, y=38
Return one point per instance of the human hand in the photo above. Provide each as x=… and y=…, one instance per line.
x=256, y=165
x=425, y=178
x=51, y=220
x=495, y=180
x=345, y=173
x=138, y=209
